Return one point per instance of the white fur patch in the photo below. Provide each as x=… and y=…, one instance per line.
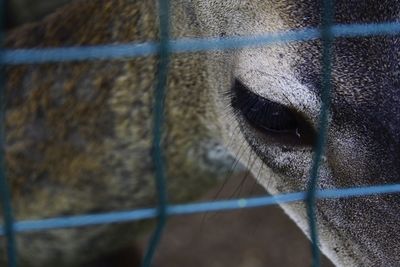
x=270, y=76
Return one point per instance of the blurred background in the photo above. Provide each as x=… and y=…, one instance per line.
x=22, y=11
x=257, y=237
x=247, y=238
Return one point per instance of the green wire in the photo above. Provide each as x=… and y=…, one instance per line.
x=157, y=152
x=327, y=39
x=4, y=188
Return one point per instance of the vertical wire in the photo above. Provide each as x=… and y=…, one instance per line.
x=4, y=188
x=157, y=150
x=327, y=40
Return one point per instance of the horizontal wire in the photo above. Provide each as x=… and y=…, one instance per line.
x=126, y=51
x=108, y=52
x=132, y=50
x=191, y=208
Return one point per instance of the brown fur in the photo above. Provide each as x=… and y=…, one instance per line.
x=79, y=134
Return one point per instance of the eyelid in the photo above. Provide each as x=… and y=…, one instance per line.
x=259, y=112
x=262, y=112
x=286, y=90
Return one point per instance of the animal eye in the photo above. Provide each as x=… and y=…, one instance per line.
x=263, y=113
x=270, y=117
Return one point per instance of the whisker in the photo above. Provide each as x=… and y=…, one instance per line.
x=253, y=187
x=240, y=187
x=226, y=179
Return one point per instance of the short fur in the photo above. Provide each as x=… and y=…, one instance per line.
x=79, y=134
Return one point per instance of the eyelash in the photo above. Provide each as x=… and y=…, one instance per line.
x=262, y=113
x=287, y=125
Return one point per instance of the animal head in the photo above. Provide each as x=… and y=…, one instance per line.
x=85, y=120
x=275, y=100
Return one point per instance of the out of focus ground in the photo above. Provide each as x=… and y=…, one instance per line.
x=247, y=238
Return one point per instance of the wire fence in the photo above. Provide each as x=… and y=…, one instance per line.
x=327, y=32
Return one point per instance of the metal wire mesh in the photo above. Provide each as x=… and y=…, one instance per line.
x=157, y=131
x=4, y=190
x=327, y=33
x=327, y=38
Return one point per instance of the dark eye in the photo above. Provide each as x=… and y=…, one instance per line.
x=270, y=117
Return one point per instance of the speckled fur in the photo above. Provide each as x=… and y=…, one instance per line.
x=79, y=134
x=363, y=139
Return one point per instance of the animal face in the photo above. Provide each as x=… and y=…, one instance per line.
x=70, y=122
x=275, y=99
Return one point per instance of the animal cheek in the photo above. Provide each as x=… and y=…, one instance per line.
x=348, y=161
x=212, y=156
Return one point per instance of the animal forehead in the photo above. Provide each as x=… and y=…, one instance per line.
x=364, y=68
x=365, y=81
x=367, y=11
x=308, y=12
